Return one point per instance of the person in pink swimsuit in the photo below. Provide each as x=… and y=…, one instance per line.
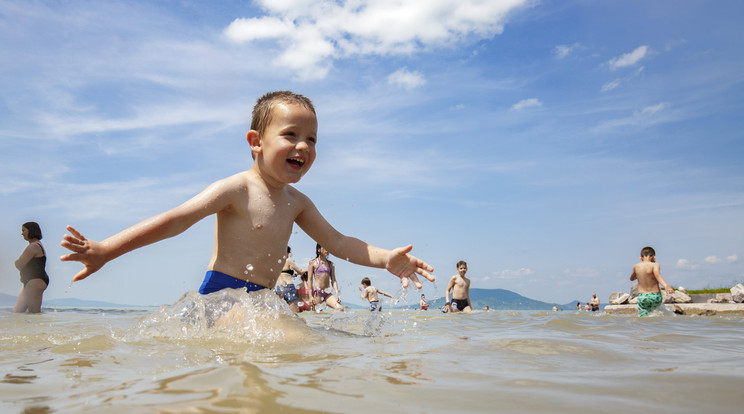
x=322, y=275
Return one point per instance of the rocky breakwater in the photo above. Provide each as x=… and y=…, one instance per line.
x=683, y=303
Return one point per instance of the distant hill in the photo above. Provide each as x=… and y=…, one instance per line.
x=8, y=300
x=502, y=299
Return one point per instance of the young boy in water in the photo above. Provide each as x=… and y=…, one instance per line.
x=648, y=274
x=369, y=292
x=255, y=210
x=460, y=287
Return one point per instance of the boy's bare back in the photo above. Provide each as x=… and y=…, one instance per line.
x=648, y=274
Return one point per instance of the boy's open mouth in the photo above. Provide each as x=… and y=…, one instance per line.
x=297, y=162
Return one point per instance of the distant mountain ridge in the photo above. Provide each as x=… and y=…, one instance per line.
x=502, y=299
x=8, y=300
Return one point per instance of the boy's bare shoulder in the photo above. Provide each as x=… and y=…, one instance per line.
x=297, y=194
x=237, y=181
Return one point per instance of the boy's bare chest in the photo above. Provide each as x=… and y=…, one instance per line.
x=268, y=212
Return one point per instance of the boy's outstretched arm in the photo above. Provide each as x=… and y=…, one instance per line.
x=93, y=255
x=397, y=261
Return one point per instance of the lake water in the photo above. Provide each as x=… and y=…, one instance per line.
x=234, y=352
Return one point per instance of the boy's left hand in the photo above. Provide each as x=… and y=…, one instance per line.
x=405, y=266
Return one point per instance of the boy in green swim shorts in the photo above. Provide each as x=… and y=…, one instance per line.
x=648, y=274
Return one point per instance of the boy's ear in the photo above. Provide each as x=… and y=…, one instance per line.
x=254, y=141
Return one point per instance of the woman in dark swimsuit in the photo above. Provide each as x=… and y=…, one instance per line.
x=285, y=286
x=31, y=263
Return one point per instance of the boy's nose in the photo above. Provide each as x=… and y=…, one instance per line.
x=302, y=145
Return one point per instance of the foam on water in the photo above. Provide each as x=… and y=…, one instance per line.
x=233, y=314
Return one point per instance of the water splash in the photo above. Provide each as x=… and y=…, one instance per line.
x=229, y=314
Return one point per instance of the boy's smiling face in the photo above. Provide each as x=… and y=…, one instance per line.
x=286, y=149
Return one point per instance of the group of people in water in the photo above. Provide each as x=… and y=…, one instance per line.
x=591, y=306
x=318, y=285
x=318, y=288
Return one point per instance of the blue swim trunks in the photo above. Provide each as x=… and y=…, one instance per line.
x=288, y=291
x=648, y=302
x=214, y=281
x=375, y=306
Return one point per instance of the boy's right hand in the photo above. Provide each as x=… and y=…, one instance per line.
x=88, y=252
x=405, y=266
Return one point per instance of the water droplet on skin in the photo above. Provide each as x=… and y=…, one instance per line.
x=279, y=261
x=245, y=272
x=249, y=267
x=269, y=254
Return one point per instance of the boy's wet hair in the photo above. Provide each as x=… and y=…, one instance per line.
x=262, y=111
x=34, y=231
x=366, y=281
x=648, y=251
x=460, y=263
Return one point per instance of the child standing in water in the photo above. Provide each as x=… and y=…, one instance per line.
x=369, y=292
x=322, y=275
x=460, y=287
x=648, y=274
x=255, y=211
x=305, y=293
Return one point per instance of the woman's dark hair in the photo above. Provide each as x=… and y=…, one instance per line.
x=34, y=231
x=317, y=251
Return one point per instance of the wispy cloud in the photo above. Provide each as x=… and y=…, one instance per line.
x=562, y=51
x=513, y=273
x=628, y=59
x=311, y=36
x=649, y=115
x=527, y=103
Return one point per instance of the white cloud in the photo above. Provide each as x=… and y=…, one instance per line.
x=246, y=30
x=732, y=259
x=513, y=274
x=406, y=79
x=311, y=35
x=628, y=59
x=685, y=264
x=562, y=51
x=712, y=259
x=527, y=103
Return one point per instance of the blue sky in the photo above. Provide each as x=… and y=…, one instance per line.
x=544, y=142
